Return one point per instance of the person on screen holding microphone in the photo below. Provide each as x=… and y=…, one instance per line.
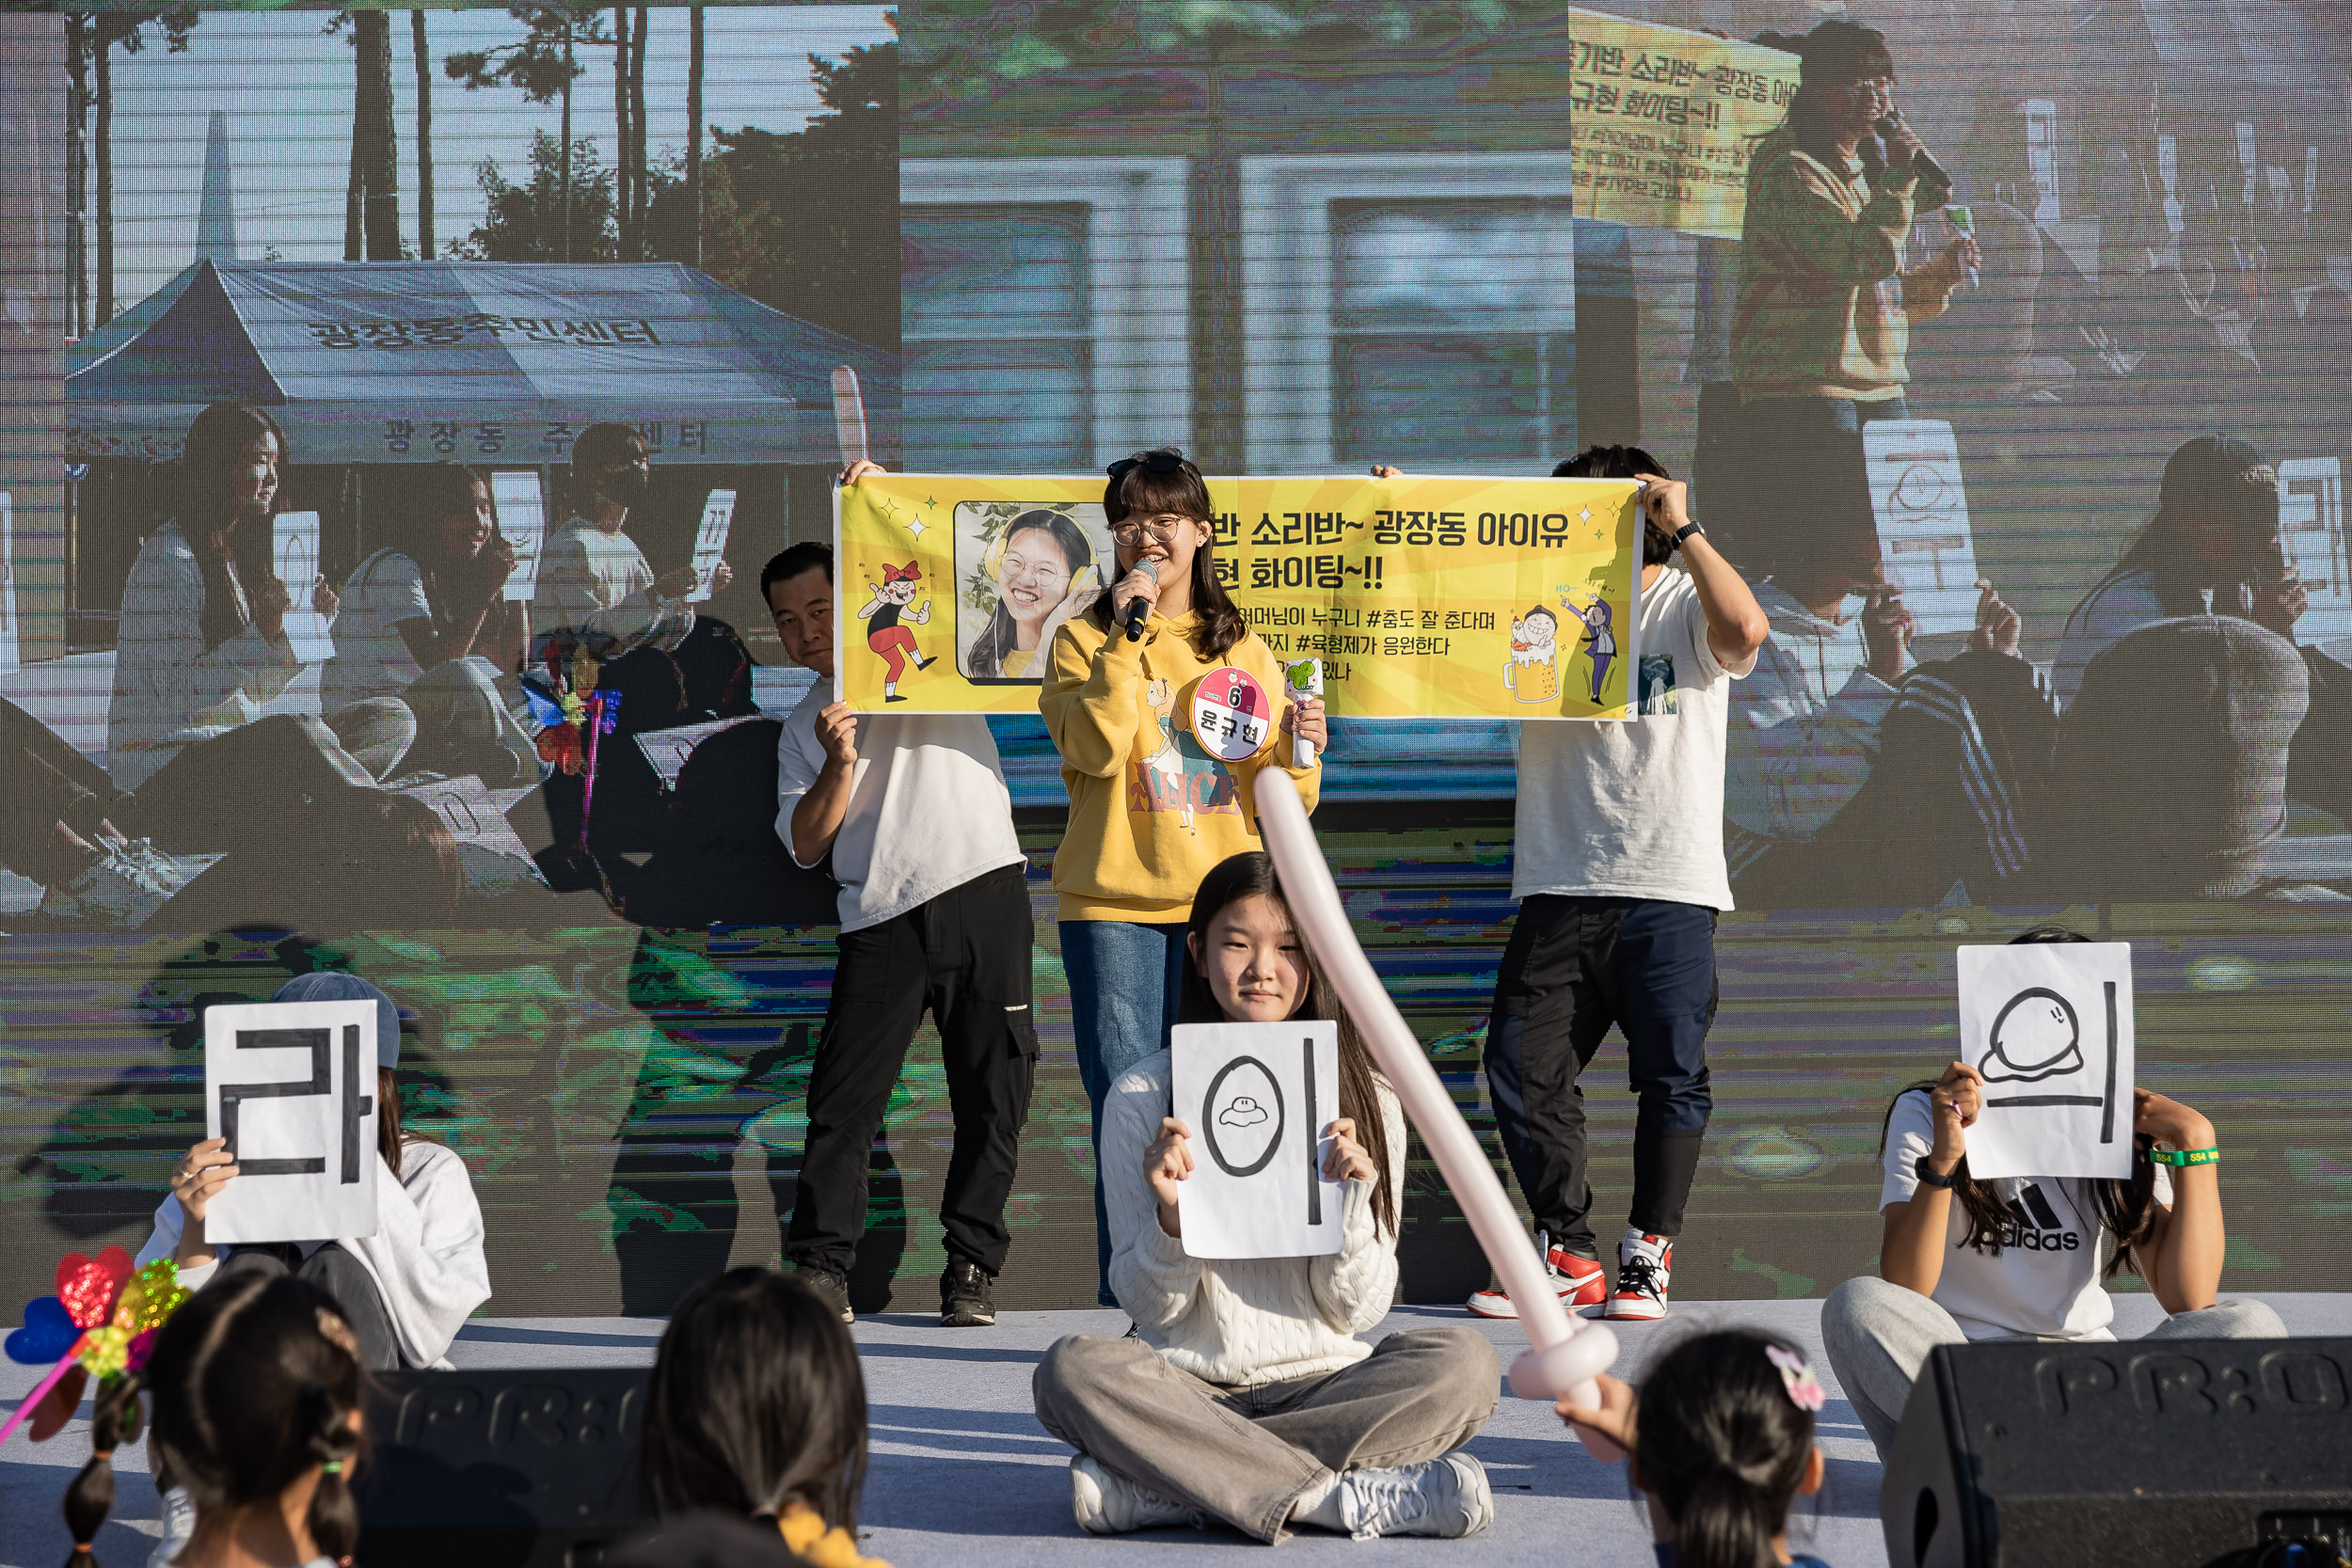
x=1152, y=809
x=1821, y=328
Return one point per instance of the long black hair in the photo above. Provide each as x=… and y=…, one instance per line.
x=1000, y=636
x=431, y=493
x=756, y=1402
x=1834, y=56
x=1723, y=1446
x=255, y=1381
x=1180, y=492
x=2206, y=476
x=2127, y=1206
x=210, y=458
x=1251, y=875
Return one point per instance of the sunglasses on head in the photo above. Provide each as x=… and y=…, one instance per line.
x=1149, y=462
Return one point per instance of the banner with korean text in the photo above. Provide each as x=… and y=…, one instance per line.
x=1661, y=121
x=1424, y=596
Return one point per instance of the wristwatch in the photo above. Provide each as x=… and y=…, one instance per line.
x=1685, y=531
x=1929, y=1179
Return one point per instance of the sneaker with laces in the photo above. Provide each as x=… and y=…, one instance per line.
x=1644, y=1268
x=128, y=881
x=1447, y=1498
x=1577, y=1280
x=1111, y=1504
x=829, y=1285
x=965, y=1301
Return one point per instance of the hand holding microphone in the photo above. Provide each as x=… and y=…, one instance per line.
x=1904, y=150
x=1133, y=598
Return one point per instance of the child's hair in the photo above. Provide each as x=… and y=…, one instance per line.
x=756, y=1402
x=255, y=1381
x=1251, y=875
x=1723, y=1446
x=1164, y=481
x=2128, y=1207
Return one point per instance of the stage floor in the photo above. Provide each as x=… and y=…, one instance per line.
x=962, y=1475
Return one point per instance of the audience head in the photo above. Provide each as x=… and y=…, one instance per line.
x=1624, y=463
x=258, y=1394
x=1723, y=1444
x=1162, y=504
x=1845, y=82
x=231, y=464
x=756, y=1403
x=798, y=585
x=610, y=463
x=451, y=518
x=1247, y=963
x=2215, y=526
x=335, y=985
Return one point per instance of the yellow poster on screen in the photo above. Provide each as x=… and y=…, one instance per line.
x=1425, y=598
x=1661, y=121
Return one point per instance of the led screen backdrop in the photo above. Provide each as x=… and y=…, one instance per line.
x=1293, y=239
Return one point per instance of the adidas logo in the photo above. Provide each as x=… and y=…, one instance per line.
x=2035, y=1227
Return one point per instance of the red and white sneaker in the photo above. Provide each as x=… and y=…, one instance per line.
x=1577, y=1281
x=1645, y=1267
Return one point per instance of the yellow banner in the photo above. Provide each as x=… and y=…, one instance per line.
x=1423, y=597
x=1661, y=121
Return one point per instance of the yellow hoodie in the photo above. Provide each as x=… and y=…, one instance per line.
x=1150, y=811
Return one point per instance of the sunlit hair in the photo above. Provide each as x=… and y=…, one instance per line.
x=1251, y=875
x=1180, y=492
x=756, y=1402
x=1721, y=1446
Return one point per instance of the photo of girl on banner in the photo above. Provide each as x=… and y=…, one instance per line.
x=1024, y=571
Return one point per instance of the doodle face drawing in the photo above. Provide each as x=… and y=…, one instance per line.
x=1241, y=1111
x=2035, y=1036
x=1534, y=674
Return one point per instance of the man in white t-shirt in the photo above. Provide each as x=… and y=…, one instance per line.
x=934, y=913
x=1620, y=875
x=595, y=589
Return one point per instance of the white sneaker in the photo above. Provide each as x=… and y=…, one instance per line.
x=1447, y=1498
x=1576, y=1281
x=1111, y=1504
x=1644, y=1270
x=127, y=882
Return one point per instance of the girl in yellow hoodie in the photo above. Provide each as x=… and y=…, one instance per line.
x=1151, y=809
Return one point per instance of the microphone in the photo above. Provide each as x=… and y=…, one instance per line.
x=1922, y=161
x=1139, y=611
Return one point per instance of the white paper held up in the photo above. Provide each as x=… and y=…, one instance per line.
x=1922, y=509
x=710, y=541
x=295, y=536
x=1257, y=1097
x=292, y=1086
x=522, y=512
x=2049, y=1025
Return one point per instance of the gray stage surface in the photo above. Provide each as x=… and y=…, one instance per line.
x=963, y=1475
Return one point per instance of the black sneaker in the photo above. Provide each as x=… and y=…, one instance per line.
x=964, y=1296
x=829, y=1285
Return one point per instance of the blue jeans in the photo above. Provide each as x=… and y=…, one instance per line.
x=1123, y=978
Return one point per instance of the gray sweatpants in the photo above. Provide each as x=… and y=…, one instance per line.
x=1879, y=1334
x=1245, y=1455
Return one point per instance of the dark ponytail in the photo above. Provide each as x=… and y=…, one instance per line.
x=114, y=1420
x=255, y=1381
x=1722, y=1445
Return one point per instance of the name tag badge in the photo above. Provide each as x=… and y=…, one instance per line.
x=1232, y=715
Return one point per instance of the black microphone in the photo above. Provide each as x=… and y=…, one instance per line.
x=1922, y=161
x=1139, y=611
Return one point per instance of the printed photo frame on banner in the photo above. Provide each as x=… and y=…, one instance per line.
x=1021, y=571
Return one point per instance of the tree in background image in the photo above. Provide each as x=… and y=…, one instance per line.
x=371, y=201
x=93, y=37
x=526, y=222
x=422, y=51
x=543, y=64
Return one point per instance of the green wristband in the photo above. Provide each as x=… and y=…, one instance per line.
x=2177, y=1157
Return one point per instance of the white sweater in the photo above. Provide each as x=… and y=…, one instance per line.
x=595, y=586
x=426, y=1256
x=1239, y=1321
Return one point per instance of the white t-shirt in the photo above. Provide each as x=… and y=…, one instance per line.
x=928, y=810
x=1635, y=810
x=2044, y=1283
x=370, y=657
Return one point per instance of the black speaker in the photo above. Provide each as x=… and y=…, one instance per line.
x=523, y=1467
x=2150, y=1453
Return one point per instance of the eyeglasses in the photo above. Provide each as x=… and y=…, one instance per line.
x=1149, y=462
x=1132, y=533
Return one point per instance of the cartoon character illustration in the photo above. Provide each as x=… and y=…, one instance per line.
x=1534, y=674
x=1243, y=1111
x=883, y=632
x=1599, y=639
x=1180, y=776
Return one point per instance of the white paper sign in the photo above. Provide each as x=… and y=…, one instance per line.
x=2310, y=520
x=296, y=536
x=848, y=413
x=466, y=809
x=1922, y=511
x=668, y=750
x=292, y=1086
x=12, y=651
x=710, y=541
x=2049, y=1024
x=1257, y=1097
x=522, y=509
x=1231, y=714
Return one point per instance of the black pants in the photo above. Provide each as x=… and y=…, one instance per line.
x=339, y=1274
x=965, y=955
x=1575, y=966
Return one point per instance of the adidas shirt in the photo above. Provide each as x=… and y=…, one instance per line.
x=2044, y=1283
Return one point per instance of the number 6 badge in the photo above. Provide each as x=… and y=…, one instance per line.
x=1232, y=715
